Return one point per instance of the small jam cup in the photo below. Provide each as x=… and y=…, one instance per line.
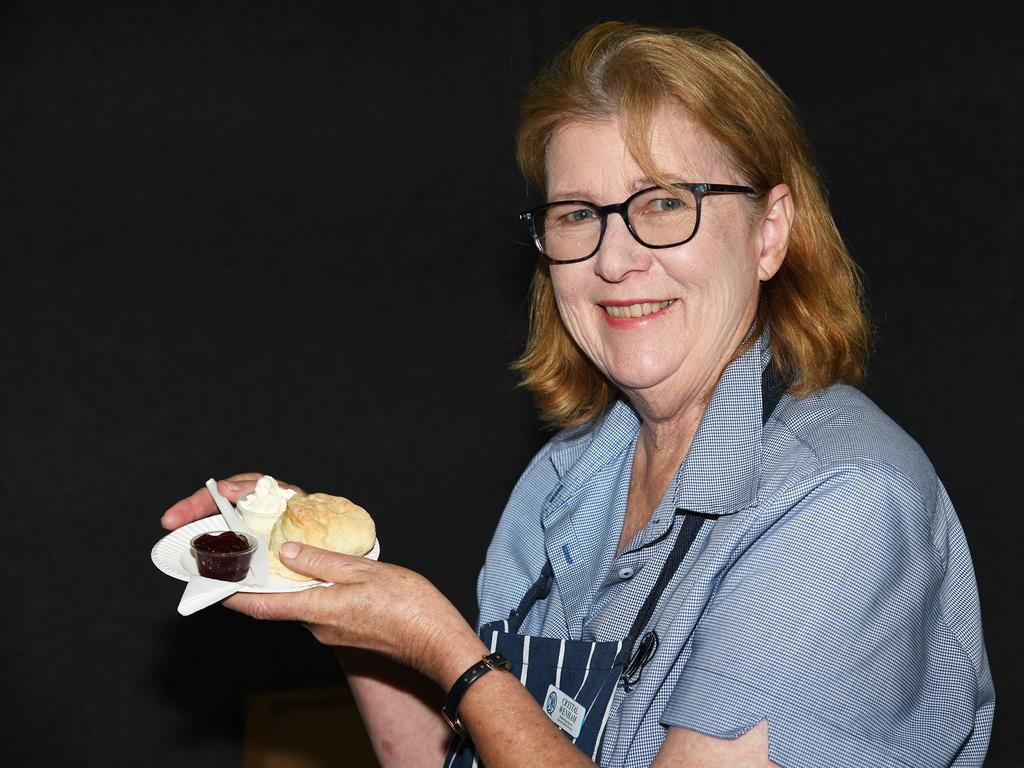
x=224, y=566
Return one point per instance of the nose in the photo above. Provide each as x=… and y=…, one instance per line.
x=620, y=253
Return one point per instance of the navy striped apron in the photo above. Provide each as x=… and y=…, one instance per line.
x=589, y=672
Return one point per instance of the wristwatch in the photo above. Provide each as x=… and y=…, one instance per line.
x=450, y=710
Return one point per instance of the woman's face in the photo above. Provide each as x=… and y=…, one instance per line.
x=673, y=354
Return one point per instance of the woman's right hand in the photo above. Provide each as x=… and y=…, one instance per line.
x=201, y=504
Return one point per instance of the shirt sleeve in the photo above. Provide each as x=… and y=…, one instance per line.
x=516, y=553
x=831, y=627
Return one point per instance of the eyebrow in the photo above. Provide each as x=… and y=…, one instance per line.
x=641, y=182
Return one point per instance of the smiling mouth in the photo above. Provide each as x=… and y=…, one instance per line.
x=637, y=310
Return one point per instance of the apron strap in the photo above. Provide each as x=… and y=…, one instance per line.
x=538, y=591
x=771, y=393
x=692, y=523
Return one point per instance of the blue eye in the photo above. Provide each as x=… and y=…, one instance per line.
x=580, y=216
x=666, y=204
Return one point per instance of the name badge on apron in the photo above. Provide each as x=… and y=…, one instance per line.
x=564, y=711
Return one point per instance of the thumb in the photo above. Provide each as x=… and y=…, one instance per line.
x=321, y=563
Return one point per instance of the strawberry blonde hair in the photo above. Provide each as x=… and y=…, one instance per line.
x=814, y=304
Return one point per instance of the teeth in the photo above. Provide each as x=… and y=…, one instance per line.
x=638, y=310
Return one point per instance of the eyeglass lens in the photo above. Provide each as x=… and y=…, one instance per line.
x=659, y=217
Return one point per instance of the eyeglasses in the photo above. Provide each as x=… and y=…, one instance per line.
x=567, y=231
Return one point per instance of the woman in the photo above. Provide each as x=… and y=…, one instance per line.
x=728, y=555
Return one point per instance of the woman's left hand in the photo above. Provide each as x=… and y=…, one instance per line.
x=376, y=606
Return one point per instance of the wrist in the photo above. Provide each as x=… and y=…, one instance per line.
x=459, y=655
x=491, y=662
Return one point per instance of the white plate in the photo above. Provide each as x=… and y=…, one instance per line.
x=172, y=555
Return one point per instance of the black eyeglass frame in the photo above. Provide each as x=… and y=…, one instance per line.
x=699, y=191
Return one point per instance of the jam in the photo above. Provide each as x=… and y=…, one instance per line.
x=224, y=556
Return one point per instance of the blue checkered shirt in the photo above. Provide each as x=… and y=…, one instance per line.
x=833, y=594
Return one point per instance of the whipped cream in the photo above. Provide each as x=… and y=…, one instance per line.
x=261, y=508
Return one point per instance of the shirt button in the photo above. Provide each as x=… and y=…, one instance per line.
x=626, y=573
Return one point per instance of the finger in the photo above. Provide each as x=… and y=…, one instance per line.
x=328, y=566
x=291, y=487
x=233, y=489
x=247, y=477
x=244, y=476
x=289, y=606
x=320, y=609
x=199, y=504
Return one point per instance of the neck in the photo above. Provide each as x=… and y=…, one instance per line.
x=670, y=415
x=671, y=412
x=669, y=423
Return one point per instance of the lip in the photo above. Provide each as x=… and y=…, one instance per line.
x=634, y=322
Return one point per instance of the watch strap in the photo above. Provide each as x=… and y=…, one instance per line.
x=450, y=710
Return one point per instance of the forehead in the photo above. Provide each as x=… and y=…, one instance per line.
x=592, y=157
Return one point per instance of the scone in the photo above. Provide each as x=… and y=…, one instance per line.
x=328, y=522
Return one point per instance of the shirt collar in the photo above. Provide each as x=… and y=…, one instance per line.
x=722, y=470
x=723, y=466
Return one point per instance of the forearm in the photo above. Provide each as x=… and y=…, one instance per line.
x=510, y=730
x=403, y=617
x=400, y=708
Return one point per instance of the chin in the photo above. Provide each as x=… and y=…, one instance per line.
x=636, y=378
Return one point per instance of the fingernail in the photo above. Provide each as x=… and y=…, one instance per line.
x=232, y=486
x=289, y=550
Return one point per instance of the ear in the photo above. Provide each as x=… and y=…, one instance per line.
x=775, y=230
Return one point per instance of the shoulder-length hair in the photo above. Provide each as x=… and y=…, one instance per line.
x=814, y=305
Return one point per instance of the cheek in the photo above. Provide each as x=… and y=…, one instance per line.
x=572, y=317
x=567, y=295
x=731, y=267
x=574, y=310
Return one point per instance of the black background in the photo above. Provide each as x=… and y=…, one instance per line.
x=282, y=237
